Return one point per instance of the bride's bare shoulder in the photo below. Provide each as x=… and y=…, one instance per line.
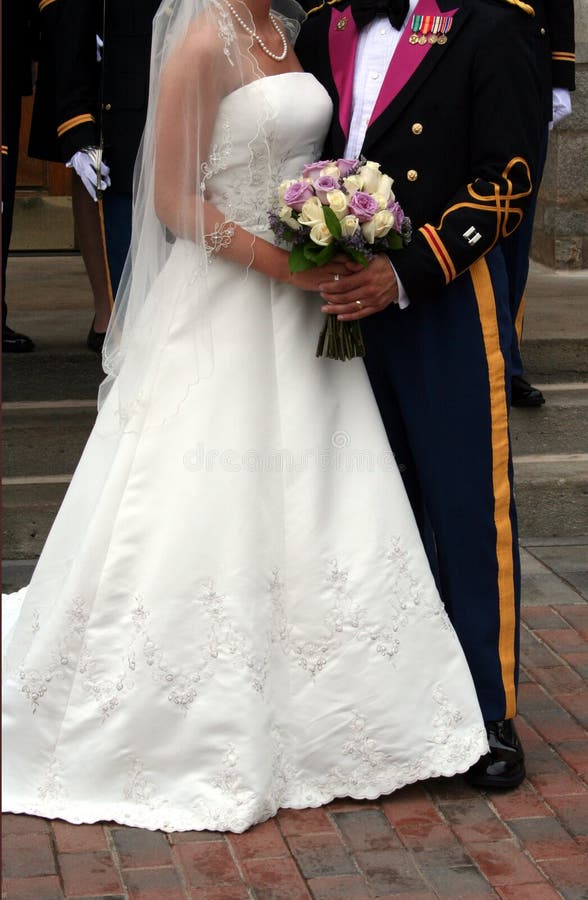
x=201, y=47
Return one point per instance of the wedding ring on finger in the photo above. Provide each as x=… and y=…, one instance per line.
x=336, y=276
x=359, y=303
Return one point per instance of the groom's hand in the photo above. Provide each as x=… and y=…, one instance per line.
x=365, y=290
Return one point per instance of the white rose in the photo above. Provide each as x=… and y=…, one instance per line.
x=349, y=225
x=287, y=217
x=369, y=231
x=352, y=184
x=370, y=177
x=338, y=203
x=284, y=187
x=378, y=226
x=383, y=222
x=380, y=200
x=312, y=212
x=321, y=235
x=331, y=170
x=385, y=188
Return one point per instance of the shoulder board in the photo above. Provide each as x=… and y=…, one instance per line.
x=524, y=7
x=322, y=5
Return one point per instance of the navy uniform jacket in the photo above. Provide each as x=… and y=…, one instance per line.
x=126, y=58
x=459, y=138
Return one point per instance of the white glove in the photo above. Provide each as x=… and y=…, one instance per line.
x=82, y=163
x=562, y=105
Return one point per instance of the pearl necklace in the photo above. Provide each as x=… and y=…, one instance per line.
x=253, y=33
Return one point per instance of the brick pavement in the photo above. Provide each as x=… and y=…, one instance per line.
x=437, y=839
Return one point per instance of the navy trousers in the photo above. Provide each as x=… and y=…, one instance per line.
x=118, y=215
x=440, y=371
x=516, y=251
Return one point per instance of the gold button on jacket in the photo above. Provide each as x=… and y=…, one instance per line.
x=417, y=128
x=412, y=174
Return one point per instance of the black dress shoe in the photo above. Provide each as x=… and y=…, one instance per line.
x=504, y=765
x=524, y=394
x=95, y=339
x=13, y=342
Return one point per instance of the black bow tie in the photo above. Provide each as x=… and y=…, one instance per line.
x=365, y=11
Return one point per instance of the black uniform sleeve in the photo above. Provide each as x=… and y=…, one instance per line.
x=78, y=76
x=560, y=21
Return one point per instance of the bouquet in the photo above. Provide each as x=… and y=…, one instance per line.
x=339, y=206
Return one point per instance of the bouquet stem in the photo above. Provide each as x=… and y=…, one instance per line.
x=340, y=340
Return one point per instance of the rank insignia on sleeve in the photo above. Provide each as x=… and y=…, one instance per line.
x=472, y=236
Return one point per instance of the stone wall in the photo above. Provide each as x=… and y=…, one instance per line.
x=560, y=237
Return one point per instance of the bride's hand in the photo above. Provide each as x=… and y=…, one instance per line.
x=332, y=271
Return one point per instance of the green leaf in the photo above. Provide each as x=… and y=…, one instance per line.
x=357, y=256
x=319, y=255
x=332, y=222
x=298, y=261
x=394, y=240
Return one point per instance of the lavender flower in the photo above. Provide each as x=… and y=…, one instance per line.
x=297, y=194
x=363, y=206
x=313, y=169
x=323, y=185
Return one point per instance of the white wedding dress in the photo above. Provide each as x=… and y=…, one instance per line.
x=233, y=612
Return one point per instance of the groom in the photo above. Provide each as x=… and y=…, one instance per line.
x=444, y=95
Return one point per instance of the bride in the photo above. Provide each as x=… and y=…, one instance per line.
x=233, y=611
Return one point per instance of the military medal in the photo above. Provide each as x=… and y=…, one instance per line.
x=429, y=29
x=446, y=23
x=425, y=28
x=435, y=29
x=415, y=28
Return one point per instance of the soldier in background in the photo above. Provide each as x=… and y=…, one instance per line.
x=17, y=50
x=93, y=94
x=554, y=25
x=105, y=103
x=44, y=143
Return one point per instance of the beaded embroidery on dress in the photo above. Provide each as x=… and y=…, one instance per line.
x=233, y=612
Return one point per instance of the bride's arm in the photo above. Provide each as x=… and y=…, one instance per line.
x=191, y=89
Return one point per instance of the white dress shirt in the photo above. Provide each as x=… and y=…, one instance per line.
x=375, y=49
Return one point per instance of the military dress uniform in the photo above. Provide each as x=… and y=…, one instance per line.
x=461, y=146
x=103, y=99
x=554, y=39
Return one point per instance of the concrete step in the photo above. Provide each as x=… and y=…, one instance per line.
x=556, y=359
x=54, y=372
x=42, y=222
x=43, y=443
x=560, y=426
x=45, y=440
x=29, y=509
x=47, y=437
x=552, y=494
x=552, y=500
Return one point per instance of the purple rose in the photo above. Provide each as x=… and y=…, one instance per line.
x=395, y=208
x=312, y=169
x=297, y=194
x=323, y=185
x=363, y=206
x=346, y=166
